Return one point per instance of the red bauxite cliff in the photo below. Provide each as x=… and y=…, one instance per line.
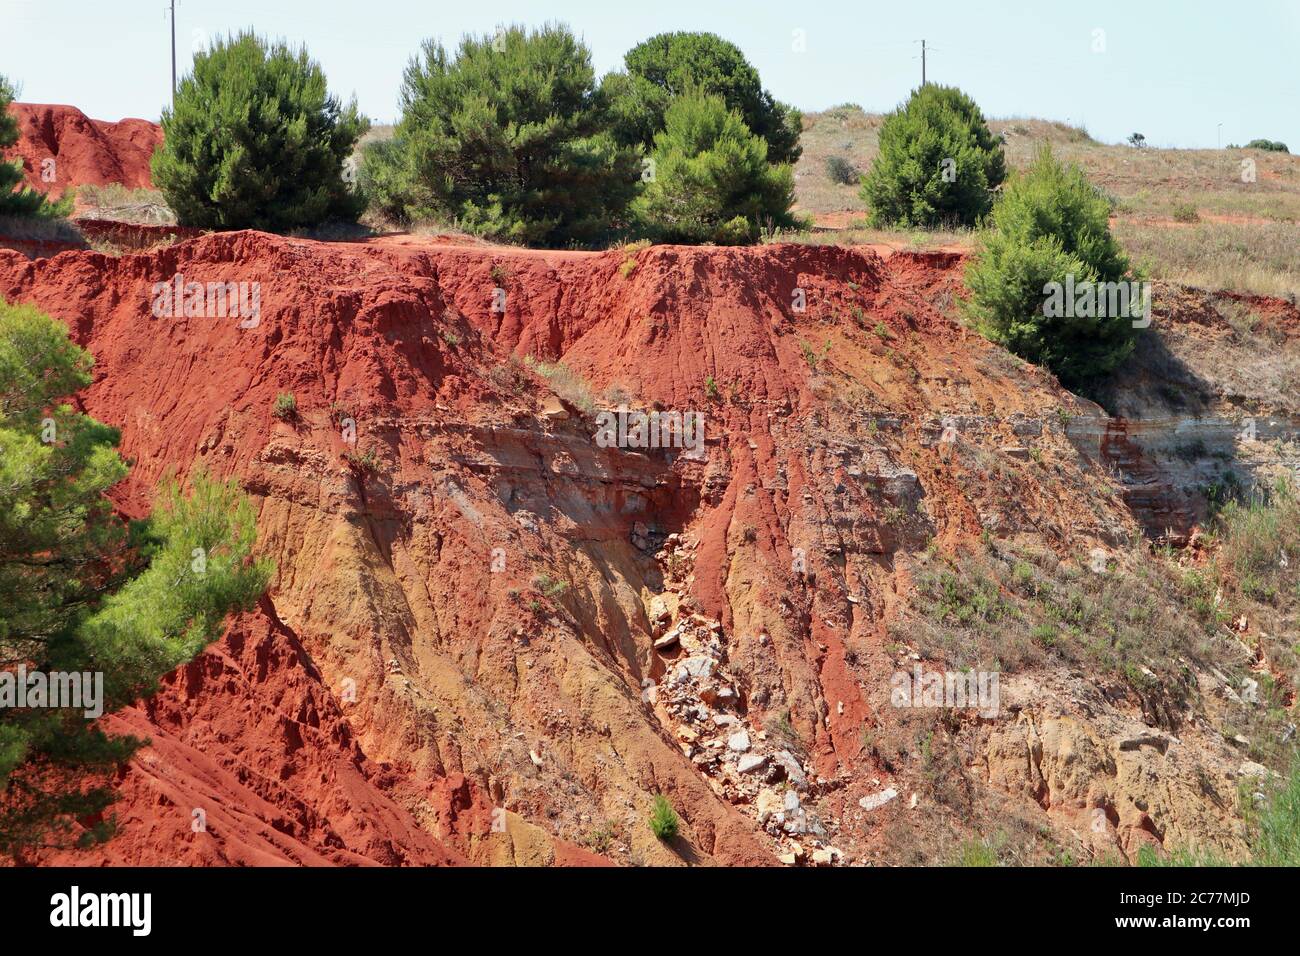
x=84, y=151
x=491, y=639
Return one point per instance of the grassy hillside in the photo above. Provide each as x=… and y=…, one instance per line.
x=1184, y=213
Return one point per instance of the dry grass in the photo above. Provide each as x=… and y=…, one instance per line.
x=116, y=202
x=1249, y=257
x=566, y=383
x=917, y=240
x=1186, y=213
x=38, y=229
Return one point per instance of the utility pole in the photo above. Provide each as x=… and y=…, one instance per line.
x=922, y=63
x=173, y=3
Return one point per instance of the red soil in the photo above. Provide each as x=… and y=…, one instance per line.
x=478, y=691
x=384, y=577
x=85, y=151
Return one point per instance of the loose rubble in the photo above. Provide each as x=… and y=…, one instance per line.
x=701, y=703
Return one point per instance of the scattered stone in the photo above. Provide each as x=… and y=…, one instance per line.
x=532, y=755
x=876, y=800
x=768, y=804
x=751, y=762
x=698, y=666
x=725, y=720
x=793, y=772
x=827, y=856
x=659, y=609
x=668, y=640
x=1016, y=451
x=791, y=802
x=738, y=741
x=553, y=410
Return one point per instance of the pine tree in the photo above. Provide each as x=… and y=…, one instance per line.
x=712, y=181
x=938, y=163
x=509, y=138
x=256, y=141
x=668, y=65
x=84, y=592
x=1049, y=225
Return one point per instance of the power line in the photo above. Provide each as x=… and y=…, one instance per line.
x=924, y=50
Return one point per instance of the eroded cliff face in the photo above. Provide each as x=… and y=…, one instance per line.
x=61, y=148
x=492, y=638
x=1208, y=407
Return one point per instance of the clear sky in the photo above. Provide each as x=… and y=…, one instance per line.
x=1171, y=69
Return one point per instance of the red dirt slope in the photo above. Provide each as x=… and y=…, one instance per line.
x=537, y=624
x=269, y=766
x=85, y=151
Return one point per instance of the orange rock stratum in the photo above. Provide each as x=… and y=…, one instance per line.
x=492, y=639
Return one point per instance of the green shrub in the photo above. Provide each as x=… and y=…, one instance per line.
x=550, y=587
x=664, y=822
x=286, y=407
x=1275, y=830
x=670, y=64
x=255, y=140
x=1256, y=534
x=1186, y=212
x=1050, y=223
x=17, y=199
x=83, y=590
x=509, y=138
x=1273, y=146
x=976, y=853
x=841, y=171
x=938, y=163
x=712, y=180
x=386, y=178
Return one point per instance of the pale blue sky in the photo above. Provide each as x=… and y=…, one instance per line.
x=1172, y=69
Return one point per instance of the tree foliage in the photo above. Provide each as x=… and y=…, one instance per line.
x=671, y=64
x=85, y=592
x=712, y=181
x=938, y=163
x=255, y=140
x=510, y=138
x=1050, y=224
x=1271, y=145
